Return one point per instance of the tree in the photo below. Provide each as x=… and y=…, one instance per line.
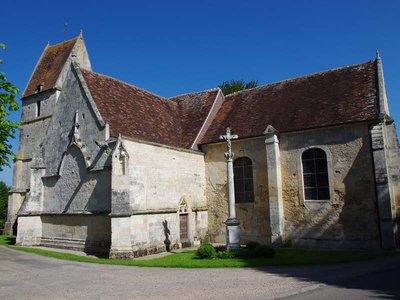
x=8, y=103
x=3, y=204
x=229, y=87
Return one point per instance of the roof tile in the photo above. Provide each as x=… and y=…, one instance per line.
x=134, y=112
x=49, y=67
x=333, y=97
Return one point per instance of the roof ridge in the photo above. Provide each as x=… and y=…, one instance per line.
x=192, y=93
x=68, y=41
x=300, y=77
x=126, y=83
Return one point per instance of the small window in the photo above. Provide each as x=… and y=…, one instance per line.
x=315, y=175
x=243, y=172
x=38, y=109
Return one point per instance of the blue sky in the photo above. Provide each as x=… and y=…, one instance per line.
x=174, y=47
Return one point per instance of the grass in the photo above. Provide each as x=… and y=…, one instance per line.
x=283, y=257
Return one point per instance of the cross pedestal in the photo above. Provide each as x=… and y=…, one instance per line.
x=232, y=234
x=232, y=224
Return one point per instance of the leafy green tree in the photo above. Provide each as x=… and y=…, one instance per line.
x=8, y=103
x=229, y=87
x=3, y=204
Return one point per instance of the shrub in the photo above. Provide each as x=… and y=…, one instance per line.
x=206, y=251
x=225, y=254
x=264, y=251
x=252, y=245
x=220, y=248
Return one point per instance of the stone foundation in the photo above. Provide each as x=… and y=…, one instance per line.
x=143, y=251
x=334, y=244
x=98, y=247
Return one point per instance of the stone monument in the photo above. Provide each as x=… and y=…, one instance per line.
x=232, y=224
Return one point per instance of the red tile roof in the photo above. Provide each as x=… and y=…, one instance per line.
x=333, y=97
x=49, y=67
x=134, y=112
x=137, y=113
x=193, y=111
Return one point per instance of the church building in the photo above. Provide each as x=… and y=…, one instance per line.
x=107, y=167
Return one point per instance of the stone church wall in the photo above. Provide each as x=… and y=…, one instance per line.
x=254, y=216
x=150, y=183
x=71, y=179
x=347, y=220
x=32, y=133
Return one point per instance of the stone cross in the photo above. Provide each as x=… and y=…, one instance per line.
x=232, y=224
x=228, y=137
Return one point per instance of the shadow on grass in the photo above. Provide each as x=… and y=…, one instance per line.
x=9, y=240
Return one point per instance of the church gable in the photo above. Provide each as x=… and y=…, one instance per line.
x=74, y=121
x=194, y=110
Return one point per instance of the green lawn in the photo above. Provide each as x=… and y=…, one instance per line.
x=284, y=257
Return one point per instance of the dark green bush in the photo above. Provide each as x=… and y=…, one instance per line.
x=225, y=254
x=206, y=251
x=252, y=245
x=220, y=248
x=264, y=251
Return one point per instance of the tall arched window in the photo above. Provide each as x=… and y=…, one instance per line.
x=243, y=172
x=315, y=174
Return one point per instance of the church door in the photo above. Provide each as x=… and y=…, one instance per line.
x=183, y=220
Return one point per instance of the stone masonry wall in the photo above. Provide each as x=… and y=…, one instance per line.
x=349, y=220
x=149, y=182
x=254, y=217
x=70, y=182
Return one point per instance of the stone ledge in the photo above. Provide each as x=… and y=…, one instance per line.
x=152, y=212
x=57, y=214
x=77, y=245
x=149, y=250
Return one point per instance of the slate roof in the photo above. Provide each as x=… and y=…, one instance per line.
x=333, y=97
x=49, y=67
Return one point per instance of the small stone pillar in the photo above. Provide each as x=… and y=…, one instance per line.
x=232, y=224
x=274, y=185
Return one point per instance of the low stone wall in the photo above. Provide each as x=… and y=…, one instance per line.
x=88, y=233
x=140, y=235
x=29, y=231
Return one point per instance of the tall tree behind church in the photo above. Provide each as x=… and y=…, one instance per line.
x=233, y=86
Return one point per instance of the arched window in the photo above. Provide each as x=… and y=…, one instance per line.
x=315, y=174
x=243, y=172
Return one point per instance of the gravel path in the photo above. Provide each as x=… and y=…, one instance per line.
x=29, y=276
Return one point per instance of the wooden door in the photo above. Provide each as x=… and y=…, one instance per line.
x=183, y=220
